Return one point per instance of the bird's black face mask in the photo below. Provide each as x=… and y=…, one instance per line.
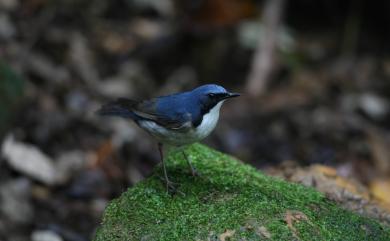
x=210, y=100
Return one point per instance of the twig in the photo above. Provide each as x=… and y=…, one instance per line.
x=263, y=60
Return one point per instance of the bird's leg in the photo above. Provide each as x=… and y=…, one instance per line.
x=193, y=170
x=169, y=184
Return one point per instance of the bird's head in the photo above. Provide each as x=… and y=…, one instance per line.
x=210, y=95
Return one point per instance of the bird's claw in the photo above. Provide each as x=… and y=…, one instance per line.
x=172, y=187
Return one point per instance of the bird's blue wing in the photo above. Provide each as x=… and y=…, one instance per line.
x=169, y=114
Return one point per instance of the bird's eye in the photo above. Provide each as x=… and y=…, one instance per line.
x=211, y=95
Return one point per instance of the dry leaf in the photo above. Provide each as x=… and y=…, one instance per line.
x=226, y=235
x=348, y=192
x=294, y=216
x=327, y=171
x=326, y=180
x=380, y=151
x=263, y=231
x=381, y=189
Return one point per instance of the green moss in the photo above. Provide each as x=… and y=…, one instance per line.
x=229, y=195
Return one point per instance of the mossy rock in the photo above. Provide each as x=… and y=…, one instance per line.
x=229, y=201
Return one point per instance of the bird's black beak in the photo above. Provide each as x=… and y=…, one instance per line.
x=224, y=96
x=232, y=95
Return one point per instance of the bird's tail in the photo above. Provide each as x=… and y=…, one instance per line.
x=121, y=107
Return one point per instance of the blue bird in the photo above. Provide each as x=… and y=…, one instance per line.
x=176, y=119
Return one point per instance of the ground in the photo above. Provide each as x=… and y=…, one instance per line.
x=229, y=201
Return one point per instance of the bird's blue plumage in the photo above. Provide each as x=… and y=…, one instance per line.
x=177, y=112
x=182, y=106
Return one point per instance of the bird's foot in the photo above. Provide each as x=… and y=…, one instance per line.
x=172, y=187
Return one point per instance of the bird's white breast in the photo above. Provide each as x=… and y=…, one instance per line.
x=209, y=121
x=174, y=137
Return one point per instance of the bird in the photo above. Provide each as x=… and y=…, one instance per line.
x=177, y=119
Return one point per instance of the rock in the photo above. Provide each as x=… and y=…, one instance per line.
x=17, y=237
x=89, y=184
x=373, y=105
x=15, y=204
x=115, y=87
x=149, y=30
x=9, y=4
x=164, y=7
x=183, y=77
x=65, y=233
x=122, y=132
x=7, y=29
x=98, y=206
x=77, y=101
x=131, y=80
x=45, y=235
x=230, y=200
x=43, y=67
x=82, y=59
x=29, y=160
x=134, y=175
x=67, y=164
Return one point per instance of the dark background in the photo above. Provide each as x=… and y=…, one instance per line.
x=321, y=94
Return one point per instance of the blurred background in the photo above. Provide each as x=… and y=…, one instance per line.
x=314, y=78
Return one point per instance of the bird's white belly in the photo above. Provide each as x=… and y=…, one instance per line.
x=179, y=137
